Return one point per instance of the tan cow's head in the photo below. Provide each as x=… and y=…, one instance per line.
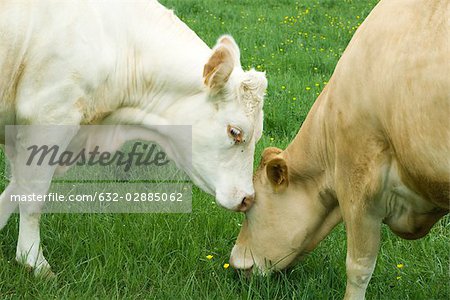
x=224, y=137
x=287, y=220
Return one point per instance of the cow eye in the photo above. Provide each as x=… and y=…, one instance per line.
x=235, y=133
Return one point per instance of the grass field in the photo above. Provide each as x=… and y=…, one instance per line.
x=163, y=256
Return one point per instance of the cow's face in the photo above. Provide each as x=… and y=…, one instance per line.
x=224, y=139
x=284, y=222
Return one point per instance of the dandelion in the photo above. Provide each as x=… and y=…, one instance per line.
x=271, y=138
x=225, y=266
x=283, y=87
x=317, y=84
x=307, y=88
x=399, y=277
x=209, y=256
x=294, y=98
x=400, y=266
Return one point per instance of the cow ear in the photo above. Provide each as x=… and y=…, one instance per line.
x=277, y=173
x=228, y=41
x=218, y=69
x=269, y=153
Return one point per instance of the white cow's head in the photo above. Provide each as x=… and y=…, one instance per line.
x=224, y=139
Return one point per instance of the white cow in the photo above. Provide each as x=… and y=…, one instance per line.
x=122, y=62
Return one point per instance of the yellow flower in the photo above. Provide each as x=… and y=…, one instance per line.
x=399, y=277
x=307, y=88
x=400, y=266
x=271, y=138
x=209, y=256
x=283, y=87
x=225, y=266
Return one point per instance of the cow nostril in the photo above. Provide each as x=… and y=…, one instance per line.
x=246, y=203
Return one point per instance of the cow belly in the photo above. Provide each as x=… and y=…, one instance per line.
x=414, y=226
x=409, y=215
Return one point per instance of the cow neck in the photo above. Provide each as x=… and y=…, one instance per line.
x=310, y=159
x=311, y=154
x=162, y=62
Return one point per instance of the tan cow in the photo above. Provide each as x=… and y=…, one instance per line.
x=375, y=148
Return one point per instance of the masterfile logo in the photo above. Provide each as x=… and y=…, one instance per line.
x=101, y=168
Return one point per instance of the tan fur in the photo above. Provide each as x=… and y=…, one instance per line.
x=374, y=148
x=277, y=172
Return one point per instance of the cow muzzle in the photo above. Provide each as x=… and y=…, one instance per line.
x=241, y=259
x=244, y=205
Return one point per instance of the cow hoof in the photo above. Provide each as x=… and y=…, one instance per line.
x=44, y=273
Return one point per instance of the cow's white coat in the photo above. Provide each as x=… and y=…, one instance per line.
x=122, y=62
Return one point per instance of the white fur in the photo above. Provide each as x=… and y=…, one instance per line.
x=122, y=62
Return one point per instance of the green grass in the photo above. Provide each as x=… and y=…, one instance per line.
x=298, y=44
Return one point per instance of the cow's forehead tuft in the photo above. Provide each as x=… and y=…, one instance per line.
x=251, y=92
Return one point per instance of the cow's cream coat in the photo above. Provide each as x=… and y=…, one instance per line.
x=375, y=148
x=124, y=62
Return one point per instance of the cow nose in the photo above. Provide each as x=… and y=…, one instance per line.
x=248, y=272
x=246, y=203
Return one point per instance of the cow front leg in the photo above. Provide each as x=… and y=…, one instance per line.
x=29, y=250
x=363, y=241
x=32, y=180
x=7, y=206
x=360, y=169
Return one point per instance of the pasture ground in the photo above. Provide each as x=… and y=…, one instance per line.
x=163, y=256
